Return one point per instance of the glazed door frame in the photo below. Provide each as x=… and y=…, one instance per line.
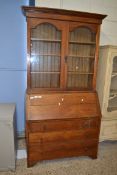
x=61, y=26
x=94, y=28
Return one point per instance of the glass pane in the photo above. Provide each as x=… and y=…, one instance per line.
x=45, y=56
x=46, y=31
x=115, y=64
x=83, y=50
x=113, y=84
x=80, y=65
x=112, y=104
x=45, y=80
x=80, y=81
x=82, y=34
x=80, y=61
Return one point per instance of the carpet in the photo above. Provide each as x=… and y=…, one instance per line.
x=105, y=164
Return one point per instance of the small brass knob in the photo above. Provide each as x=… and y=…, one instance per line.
x=62, y=99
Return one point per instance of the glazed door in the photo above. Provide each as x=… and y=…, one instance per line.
x=81, y=58
x=112, y=103
x=46, y=63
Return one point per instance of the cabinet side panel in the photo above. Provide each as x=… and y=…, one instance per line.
x=101, y=74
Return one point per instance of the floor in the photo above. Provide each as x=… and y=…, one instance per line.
x=105, y=164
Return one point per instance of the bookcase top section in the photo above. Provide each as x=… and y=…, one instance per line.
x=41, y=11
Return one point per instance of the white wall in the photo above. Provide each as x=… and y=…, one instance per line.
x=108, y=7
x=13, y=57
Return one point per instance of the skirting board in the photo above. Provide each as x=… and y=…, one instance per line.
x=20, y=134
x=21, y=154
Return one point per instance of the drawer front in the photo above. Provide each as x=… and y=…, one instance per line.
x=63, y=125
x=63, y=136
x=65, y=98
x=57, y=150
x=63, y=111
x=54, y=146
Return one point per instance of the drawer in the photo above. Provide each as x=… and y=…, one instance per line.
x=63, y=111
x=65, y=98
x=37, y=156
x=63, y=136
x=63, y=124
x=54, y=146
x=57, y=150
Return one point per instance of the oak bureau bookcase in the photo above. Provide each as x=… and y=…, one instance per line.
x=62, y=109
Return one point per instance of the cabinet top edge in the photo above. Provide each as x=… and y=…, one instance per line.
x=40, y=10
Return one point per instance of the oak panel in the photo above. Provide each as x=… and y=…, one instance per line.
x=62, y=150
x=63, y=136
x=63, y=111
x=63, y=125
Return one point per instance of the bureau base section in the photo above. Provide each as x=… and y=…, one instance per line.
x=61, y=150
x=60, y=125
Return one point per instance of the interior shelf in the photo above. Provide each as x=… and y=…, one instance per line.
x=58, y=55
x=45, y=40
x=80, y=56
x=38, y=72
x=82, y=43
x=84, y=73
x=44, y=54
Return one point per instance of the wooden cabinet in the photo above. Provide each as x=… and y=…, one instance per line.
x=107, y=90
x=62, y=109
